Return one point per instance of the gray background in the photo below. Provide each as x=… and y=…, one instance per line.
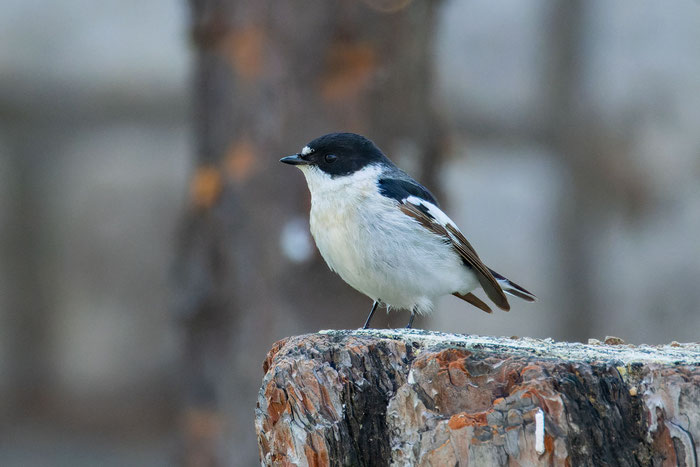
x=95, y=155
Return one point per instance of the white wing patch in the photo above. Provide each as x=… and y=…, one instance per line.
x=305, y=151
x=434, y=211
x=433, y=219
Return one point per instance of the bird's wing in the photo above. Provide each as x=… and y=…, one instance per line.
x=432, y=218
x=401, y=188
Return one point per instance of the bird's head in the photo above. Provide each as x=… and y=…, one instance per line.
x=338, y=155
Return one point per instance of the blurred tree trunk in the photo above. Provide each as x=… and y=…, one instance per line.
x=592, y=156
x=29, y=347
x=269, y=77
x=567, y=135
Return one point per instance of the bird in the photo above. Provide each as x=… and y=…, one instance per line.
x=384, y=233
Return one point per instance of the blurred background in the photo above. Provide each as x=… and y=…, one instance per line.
x=153, y=249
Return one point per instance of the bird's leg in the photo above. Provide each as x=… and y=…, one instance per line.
x=371, y=312
x=410, y=321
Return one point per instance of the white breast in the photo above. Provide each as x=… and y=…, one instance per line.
x=376, y=248
x=335, y=219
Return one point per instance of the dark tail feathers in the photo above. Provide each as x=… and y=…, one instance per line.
x=512, y=288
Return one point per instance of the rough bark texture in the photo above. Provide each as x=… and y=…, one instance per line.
x=422, y=398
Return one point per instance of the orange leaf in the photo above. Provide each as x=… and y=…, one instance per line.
x=244, y=49
x=349, y=67
x=205, y=187
x=240, y=160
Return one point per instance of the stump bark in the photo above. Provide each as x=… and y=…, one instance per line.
x=385, y=397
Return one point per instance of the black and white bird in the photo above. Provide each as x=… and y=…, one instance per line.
x=384, y=233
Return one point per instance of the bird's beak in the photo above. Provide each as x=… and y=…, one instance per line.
x=294, y=159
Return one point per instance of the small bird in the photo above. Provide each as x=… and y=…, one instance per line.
x=384, y=233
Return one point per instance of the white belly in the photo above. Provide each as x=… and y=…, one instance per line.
x=386, y=255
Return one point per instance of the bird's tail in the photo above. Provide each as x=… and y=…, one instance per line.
x=512, y=288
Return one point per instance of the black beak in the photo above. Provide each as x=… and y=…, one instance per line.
x=294, y=159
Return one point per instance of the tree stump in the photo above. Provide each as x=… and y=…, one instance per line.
x=411, y=397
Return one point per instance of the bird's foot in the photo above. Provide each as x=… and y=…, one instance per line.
x=410, y=321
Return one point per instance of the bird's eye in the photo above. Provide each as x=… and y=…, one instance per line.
x=330, y=158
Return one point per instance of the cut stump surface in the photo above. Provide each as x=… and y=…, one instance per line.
x=411, y=397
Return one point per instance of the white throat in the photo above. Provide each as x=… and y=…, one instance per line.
x=362, y=182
